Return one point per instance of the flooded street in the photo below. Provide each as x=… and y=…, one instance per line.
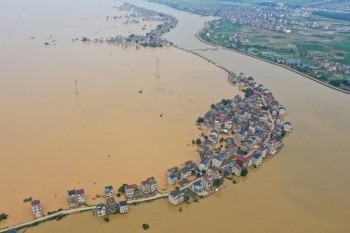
x=53, y=140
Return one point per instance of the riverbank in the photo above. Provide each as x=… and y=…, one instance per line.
x=197, y=35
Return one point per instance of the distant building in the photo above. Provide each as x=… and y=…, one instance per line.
x=207, y=181
x=257, y=159
x=109, y=192
x=129, y=191
x=185, y=172
x=237, y=170
x=73, y=199
x=204, y=164
x=123, y=207
x=171, y=179
x=153, y=184
x=36, y=209
x=111, y=206
x=149, y=186
x=197, y=186
x=287, y=127
x=101, y=210
x=80, y=195
x=282, y=111
x=177, y=196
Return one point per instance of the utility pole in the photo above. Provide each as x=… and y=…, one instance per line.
x=157, y=69
x=76, y=87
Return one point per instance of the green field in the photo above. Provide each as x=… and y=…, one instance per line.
x=305, y=47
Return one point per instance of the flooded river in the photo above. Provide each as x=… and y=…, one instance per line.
x=304, y=188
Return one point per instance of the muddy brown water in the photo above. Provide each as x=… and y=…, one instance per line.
x=52, y=140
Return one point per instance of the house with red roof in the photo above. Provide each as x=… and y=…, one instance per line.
x=129, y=191
x=80, y=195
x=36, y=209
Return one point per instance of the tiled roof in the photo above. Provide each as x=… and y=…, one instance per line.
x=35, y=202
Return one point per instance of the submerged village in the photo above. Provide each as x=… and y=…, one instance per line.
x=236, y=135
x=138, y=15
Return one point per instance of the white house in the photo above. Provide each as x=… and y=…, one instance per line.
x=129, y=191
x=257, y=159
x=228, y=125
x=207, y=181
x=217, y=161
x=123, y=207
x=204, y=164
x=109, y=191
x=177, y=196
x=287, y=127
x=185, y=172
x=36, y=209
x=197, y=186
x=172, y=179
x=80, y=195
x=101, y=210
x=72, y=198
x=236, y=170
x=153, y=184
x=217, y=124
x=263, y=150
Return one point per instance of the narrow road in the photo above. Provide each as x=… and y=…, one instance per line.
x=70, y=211
x=73, y=211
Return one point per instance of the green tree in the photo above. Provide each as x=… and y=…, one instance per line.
x=29, y=199
x=217, y=182
x=3, y=217
x=244, y=172
x=122, y=188
x=198, y=141
x=200, y=120
x=145, y=226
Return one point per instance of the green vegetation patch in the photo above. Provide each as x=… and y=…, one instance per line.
x=310, y=46
x=55, y=211
x=29, y=199
x=3, y=216
x=145, y=226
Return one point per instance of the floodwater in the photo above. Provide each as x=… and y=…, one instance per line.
x=303, y=188
x=110, y=133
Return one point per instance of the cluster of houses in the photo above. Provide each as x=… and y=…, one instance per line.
x=111, y=206
x=153, y=38
x=76, y=197
x=236, y=134
x=147, y=188
x=333, y=66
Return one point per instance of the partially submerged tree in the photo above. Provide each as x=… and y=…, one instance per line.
x=3, y=217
